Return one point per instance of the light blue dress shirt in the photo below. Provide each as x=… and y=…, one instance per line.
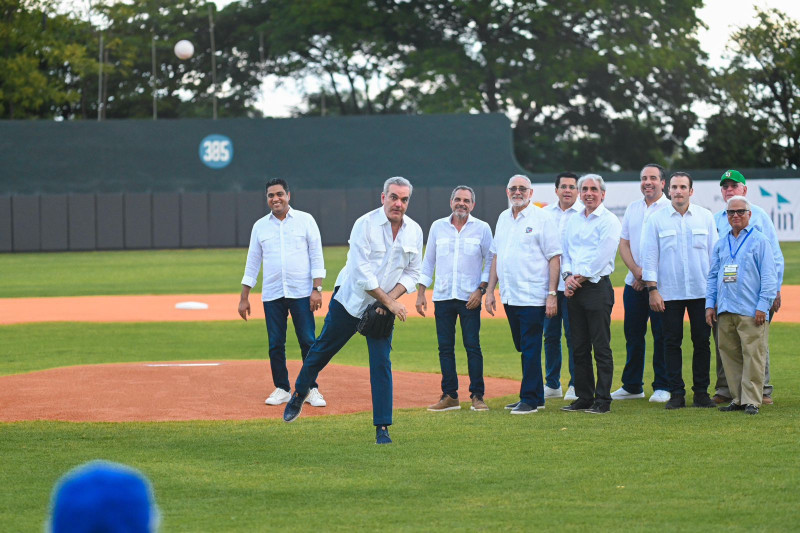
x=760, y=220
x=756, y=281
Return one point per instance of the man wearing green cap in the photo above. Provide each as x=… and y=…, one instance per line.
x=732, y=183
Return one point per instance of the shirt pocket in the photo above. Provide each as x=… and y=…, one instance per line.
x=472, y=246
x=442, y=247
x=668, y=239
x=298, y=240
x=269, y=242
x=409, y=253
x=700, y=238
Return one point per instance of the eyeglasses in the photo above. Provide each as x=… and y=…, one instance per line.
x=518, y=189
x=739, y=212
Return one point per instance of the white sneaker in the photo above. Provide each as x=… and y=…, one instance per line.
x=660, y=396
x=278, y=397
x=552, y=393
x=570, y=395
x=622, y=394
x=315, y=398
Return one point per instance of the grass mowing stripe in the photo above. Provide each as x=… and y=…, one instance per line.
x=207, y=271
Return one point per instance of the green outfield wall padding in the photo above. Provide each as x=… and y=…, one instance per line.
x=117, y=156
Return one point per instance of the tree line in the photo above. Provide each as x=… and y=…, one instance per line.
x=587, y=84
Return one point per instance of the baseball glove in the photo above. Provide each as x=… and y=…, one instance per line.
x=376, y=325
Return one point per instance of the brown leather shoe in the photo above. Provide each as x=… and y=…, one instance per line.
x=767, y=400
x=446, y=403
x=478, y=404
x=718, y=399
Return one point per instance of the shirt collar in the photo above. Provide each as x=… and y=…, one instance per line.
x=597, y=212
x=659, y=201
x=288, y=214
x=383, y=219
x=690, y=211
x=525, y=212
x=450, y=219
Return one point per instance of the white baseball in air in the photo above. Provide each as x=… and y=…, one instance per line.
x=184, y=49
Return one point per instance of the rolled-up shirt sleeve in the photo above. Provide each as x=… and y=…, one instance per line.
x=552, y=241
x=253, y=264
x=315, y=250
x=411, y=273
x=487, y=245
x=358, y=256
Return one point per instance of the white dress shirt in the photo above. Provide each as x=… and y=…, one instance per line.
x=376, y=260
x=561, y=216
x=636, y=216
x=590, y=244
x=462, y=259
x=291, y=251
x=523, y=247
x=676, y=251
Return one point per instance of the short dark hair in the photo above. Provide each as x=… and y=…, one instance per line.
x=661, y=171
x=277, y=181
x=566, y=175
x=682, y=174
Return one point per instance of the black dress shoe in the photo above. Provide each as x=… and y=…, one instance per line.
x=675, y=402
x=750, y=409
x=294, y=407
x=703, y=400
x=512, y=405
x=577, y=405
x=599, y=408
x=731, y=407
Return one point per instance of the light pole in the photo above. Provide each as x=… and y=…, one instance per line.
x=213, y=61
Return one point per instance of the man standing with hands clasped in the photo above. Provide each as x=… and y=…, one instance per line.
x=677, y=245
x=458, y=250
x=288, y=243
x=527, y=259
x=590, y=246
x=742, y=283
x=383, y=263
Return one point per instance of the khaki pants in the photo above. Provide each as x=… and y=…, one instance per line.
x=743, y=350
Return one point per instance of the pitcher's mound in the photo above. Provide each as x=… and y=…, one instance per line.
x=202, y=390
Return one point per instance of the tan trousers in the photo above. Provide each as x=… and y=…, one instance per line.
x=743, y=350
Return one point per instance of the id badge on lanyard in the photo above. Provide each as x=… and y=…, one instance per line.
x=729, y=273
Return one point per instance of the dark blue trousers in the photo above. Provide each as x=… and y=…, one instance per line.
x=552, y=345
x=338, y=328
x=526, y=324
x=446, y=312
x=276, y=313
x=637, y=312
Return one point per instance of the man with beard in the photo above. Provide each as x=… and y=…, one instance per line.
x=459, y=251
x=526, y=262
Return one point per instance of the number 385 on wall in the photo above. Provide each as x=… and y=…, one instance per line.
x=216, y=151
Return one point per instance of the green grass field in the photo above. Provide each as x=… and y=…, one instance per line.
x=640, y=468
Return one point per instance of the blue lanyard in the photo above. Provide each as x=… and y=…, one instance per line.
x=733, y=255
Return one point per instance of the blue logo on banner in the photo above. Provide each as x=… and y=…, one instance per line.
x=216, y=151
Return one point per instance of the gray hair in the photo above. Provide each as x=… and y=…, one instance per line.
x=397, y=180
x=739, y=198
x=515, y=176
x=462, y=188
x=593, y=177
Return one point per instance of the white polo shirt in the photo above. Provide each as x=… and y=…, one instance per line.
x=561, y=216
x=376, y=260
x=636, y=216
x=676, y=251
x=291, y=253
x=590, y=243
x=461, y=259
x=523, y=247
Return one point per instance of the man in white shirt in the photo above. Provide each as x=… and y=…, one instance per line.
x=566, y=206
x=733, y=183
x=634, y=296
x=459, y=251
x=527, y=257
x=590, y=246
x=383, y=263
x=288, y=243
x=677, y=245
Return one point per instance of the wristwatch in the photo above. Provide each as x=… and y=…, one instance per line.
x=552, y=293
x=565, y=275
x=318, y=288
x=482, y=289
x=651, y=289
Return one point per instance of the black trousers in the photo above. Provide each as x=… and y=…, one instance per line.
x=673, y=339
x=590, y=324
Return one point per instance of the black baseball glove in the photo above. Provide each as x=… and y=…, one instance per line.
x=373, y=324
